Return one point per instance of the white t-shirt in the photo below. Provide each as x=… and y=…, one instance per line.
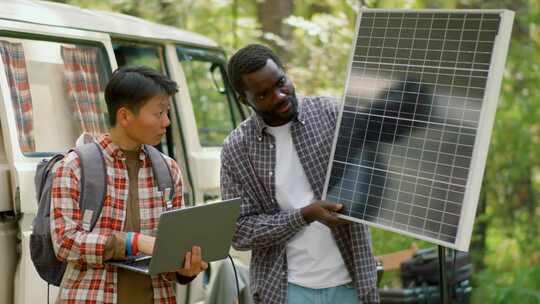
x=313, y=258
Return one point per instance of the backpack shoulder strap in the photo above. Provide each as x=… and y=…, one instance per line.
x=162, y=172
x=93, y=181
x=43, y=171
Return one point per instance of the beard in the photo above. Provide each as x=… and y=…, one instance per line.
x=275, y=118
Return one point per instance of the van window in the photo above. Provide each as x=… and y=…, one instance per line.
x=130, y=53
x=56, y=91
x=216, y=111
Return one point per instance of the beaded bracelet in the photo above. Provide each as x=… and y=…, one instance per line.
x=135, y=243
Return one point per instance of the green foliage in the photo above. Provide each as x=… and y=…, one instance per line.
x=323, y=44
x=212, y=114
x=518, y=285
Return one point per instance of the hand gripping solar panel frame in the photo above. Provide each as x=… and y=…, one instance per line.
x=414, y=127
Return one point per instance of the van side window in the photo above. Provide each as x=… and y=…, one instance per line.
x=56, y=91
x=216, y=111
x=131, y=53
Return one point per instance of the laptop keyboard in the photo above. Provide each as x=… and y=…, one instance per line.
x=141, y=263
x=138, y=263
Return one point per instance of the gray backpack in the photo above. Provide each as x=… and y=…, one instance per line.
x=92, y=194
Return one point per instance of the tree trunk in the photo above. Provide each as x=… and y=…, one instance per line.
x=271, y=14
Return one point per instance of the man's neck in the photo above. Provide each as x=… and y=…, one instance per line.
x=122, y=140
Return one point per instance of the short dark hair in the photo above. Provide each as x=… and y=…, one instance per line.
x=133, y=86
x=249, y=59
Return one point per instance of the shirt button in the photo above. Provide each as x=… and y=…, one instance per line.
x=259, y=138
x=271, y=173
x=271, y=146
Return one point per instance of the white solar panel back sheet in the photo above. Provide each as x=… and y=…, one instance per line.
x=415, y=124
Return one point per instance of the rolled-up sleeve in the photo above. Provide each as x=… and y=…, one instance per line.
x=254, y=228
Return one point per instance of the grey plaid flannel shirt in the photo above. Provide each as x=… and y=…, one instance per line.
x=248, y=162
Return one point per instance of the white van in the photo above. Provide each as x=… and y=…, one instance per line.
x=56, y=60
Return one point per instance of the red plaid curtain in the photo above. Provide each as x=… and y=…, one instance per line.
x=15, y=67
x=82, y=80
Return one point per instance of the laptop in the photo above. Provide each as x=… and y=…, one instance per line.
x=209, y=226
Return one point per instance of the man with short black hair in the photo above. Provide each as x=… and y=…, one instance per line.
x=138, y=101
x=276, y=161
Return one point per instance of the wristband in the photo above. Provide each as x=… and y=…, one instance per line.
x=129, y=238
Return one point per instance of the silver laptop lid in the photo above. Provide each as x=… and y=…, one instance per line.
x=209, y=226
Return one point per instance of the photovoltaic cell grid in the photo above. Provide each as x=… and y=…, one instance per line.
x=410, y=117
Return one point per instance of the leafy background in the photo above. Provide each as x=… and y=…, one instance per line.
x=315, y=36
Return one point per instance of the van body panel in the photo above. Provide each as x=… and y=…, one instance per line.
x=67, y=16
x=23, y=166
x=24, y=187
x=6, y=204
x=29, y=287
x=207, y=162
x=9, y=138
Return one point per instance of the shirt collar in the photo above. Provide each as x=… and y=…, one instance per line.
x=113, y=151
x=260, y=125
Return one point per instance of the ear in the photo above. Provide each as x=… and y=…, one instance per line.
x=124, y=117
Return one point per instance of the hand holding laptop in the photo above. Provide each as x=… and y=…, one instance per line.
x=211, y=226
x=193, y=262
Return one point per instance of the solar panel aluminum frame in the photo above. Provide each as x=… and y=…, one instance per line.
x=483, y=132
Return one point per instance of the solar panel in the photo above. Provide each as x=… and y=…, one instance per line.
x=416, y=119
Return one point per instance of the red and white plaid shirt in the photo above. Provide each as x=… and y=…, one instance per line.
x=87, y=279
